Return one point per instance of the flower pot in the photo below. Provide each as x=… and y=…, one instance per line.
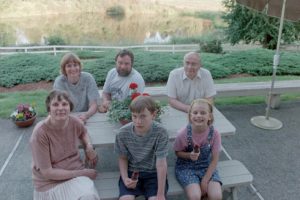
x=124, y=121
x=26, y=123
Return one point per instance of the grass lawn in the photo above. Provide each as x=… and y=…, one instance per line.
x=8, y=101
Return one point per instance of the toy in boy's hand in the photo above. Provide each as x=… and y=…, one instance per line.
x=135, y=176
x=196, y=148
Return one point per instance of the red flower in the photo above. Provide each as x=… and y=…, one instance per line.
x=134, y=95
x=133, y=85
x=146, y=94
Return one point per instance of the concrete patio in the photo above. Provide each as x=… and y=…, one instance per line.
x=271, y=156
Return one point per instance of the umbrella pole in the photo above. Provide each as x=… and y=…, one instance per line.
x=267, y=122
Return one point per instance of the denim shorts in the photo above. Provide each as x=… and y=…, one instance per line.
x=146, y=185
x=188, y=176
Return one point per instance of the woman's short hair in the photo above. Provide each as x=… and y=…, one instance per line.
x=60, y=95
x=67, y=58
x=125, y=52
x=141, y=102
x=202, y=101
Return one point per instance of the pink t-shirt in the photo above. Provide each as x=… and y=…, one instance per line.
x=200, y=139
x=56, y=148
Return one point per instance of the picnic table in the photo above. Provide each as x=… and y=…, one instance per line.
x=103, y=131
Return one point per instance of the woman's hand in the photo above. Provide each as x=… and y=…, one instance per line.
x=91, y=157
x=91, y=173
x=83, y=118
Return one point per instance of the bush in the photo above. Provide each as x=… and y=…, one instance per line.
x=56, y=40
x=153, y=66
x=211, y=46
x=115, y=11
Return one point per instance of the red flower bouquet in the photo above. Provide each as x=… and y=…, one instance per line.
x=119, y=110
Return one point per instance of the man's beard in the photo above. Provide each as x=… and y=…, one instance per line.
x=123, y=73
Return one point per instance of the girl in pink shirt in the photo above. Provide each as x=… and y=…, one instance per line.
x=197, y=147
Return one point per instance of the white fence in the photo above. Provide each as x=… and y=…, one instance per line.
x=62, y=49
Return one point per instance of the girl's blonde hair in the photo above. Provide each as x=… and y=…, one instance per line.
x=201, y=101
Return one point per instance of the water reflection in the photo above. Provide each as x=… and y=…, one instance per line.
x=156, y=38
x=99, y=29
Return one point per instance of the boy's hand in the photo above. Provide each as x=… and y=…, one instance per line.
x=160, y=197
x=194, y=156
x=129, y=183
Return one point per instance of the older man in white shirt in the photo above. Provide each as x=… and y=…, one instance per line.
x=189, y=82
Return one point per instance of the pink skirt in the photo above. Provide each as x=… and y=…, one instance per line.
x=79, y=188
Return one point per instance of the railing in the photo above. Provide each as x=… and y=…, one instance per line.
x=156, y=48
x=62, y=49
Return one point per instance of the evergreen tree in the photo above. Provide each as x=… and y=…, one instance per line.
x=249, y=25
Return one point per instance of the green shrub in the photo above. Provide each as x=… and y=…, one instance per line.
x=56, y=40
x=115, y=11
x=211, y=46
x=186, y=40
x=153, y=66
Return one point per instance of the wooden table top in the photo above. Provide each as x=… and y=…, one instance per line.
x=102, y=131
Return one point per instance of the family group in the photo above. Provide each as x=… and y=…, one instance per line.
x=59, y=172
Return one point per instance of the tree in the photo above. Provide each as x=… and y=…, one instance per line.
x=248, y=25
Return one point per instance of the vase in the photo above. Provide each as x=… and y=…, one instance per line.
x=124, y=121
x=25, y=123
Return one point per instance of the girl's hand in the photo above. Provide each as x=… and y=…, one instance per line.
x=129, y=183
x=204, y=186
x=194, y=156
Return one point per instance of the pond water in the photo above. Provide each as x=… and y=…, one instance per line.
x=100, y=29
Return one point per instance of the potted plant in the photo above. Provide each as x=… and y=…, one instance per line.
x=119, y=110
x=24, y=115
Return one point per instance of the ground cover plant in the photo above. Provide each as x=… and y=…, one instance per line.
x=154, y=66
x=9, y=100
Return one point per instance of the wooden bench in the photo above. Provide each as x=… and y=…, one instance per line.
x=241, y=89
x=232, y=172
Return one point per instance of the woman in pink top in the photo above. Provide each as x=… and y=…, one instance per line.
x=58, y=171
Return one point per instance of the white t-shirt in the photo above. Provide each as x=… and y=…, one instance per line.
x=185, y=90
x=118, y=86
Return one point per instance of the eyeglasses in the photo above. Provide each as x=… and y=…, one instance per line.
x=191, y=64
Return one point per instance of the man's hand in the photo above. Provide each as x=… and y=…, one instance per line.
x=103, y=108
